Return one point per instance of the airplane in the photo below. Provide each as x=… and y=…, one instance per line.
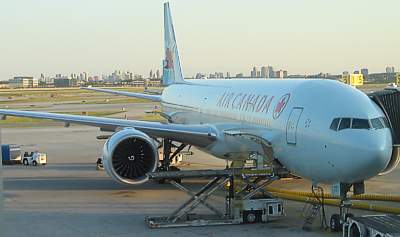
x=321, y=130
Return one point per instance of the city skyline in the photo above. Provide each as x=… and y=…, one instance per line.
x=80, y=37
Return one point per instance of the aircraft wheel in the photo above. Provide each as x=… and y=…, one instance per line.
x=349, y=215
x=34, y=163
x=249, y=217
x=335, y=225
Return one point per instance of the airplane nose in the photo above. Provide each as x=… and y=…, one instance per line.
x=381, y=157
x=370, y=156
x=378, y=154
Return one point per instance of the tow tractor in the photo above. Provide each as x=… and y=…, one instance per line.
x=34, y=158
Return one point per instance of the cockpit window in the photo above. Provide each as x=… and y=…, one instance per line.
x=344, y=123
x=357, y=123
x=335, y=123
x=385, y=122
x=360, y=124
x=376, y=123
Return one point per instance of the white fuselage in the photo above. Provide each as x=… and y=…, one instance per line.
x=295, y=116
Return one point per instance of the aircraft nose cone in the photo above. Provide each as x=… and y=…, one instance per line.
x=380, y=158
x=378, y=155
x=368, y=157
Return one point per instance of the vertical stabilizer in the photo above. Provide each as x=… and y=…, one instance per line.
x=172, y=71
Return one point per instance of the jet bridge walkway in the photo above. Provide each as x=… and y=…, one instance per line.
x=389, y=101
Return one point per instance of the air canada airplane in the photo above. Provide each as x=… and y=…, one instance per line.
x=321, y=130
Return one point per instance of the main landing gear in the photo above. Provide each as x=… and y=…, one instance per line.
x=168, y=156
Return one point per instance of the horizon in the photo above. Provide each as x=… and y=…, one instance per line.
x=310, y=37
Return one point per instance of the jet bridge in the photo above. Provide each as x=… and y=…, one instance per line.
x=389, y=101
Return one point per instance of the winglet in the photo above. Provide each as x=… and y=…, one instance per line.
x=172, y=71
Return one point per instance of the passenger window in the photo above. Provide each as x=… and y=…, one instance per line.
x=335, y=123
x=344, y=123
x=360, y=124
x=376, y=123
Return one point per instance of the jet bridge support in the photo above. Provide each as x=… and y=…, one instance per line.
x=241, y=206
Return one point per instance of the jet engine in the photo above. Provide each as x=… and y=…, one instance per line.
x=128, y=155
x=394, y=161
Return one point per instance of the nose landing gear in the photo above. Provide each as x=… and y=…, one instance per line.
x=342, y=189
x=337, y=220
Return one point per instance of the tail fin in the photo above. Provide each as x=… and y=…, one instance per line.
x=172, y=71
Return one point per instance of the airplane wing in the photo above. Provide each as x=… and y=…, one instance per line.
x=156, y=98
x=198, y=135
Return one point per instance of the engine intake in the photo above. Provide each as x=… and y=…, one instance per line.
x=129, y=155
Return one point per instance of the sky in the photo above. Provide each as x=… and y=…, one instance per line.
x=99, y=36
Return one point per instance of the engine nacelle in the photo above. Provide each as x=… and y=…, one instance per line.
x=129, y=155
x=394, y=161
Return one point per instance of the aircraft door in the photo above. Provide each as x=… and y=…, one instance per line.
x=291, y=126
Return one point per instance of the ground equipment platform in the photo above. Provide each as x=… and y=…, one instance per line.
x=240, y=206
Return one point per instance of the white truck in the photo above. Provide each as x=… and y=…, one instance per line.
x=34, y=158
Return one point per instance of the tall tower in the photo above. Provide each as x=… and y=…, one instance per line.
x=253, y=73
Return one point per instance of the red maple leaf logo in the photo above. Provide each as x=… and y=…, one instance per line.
x=280, y=106
x=169, y=59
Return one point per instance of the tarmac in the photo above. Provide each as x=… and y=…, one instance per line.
x=69, y=197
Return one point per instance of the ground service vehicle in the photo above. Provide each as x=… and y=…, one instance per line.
x=11, y=154
x=34, y=158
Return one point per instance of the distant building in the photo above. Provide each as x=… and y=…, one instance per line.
x=228, y=75
x=200, y=75
x=267, y=72
x=153, y=82
x=253, y=72
x=64, y=82
x=364, y=72
x=23, y=82
x=390, y=70
x=264, y=72
x=270, y=72
x=281, y=74
x=216, y=75
x=4, y=85
x=382, y=77
x=239, y=75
